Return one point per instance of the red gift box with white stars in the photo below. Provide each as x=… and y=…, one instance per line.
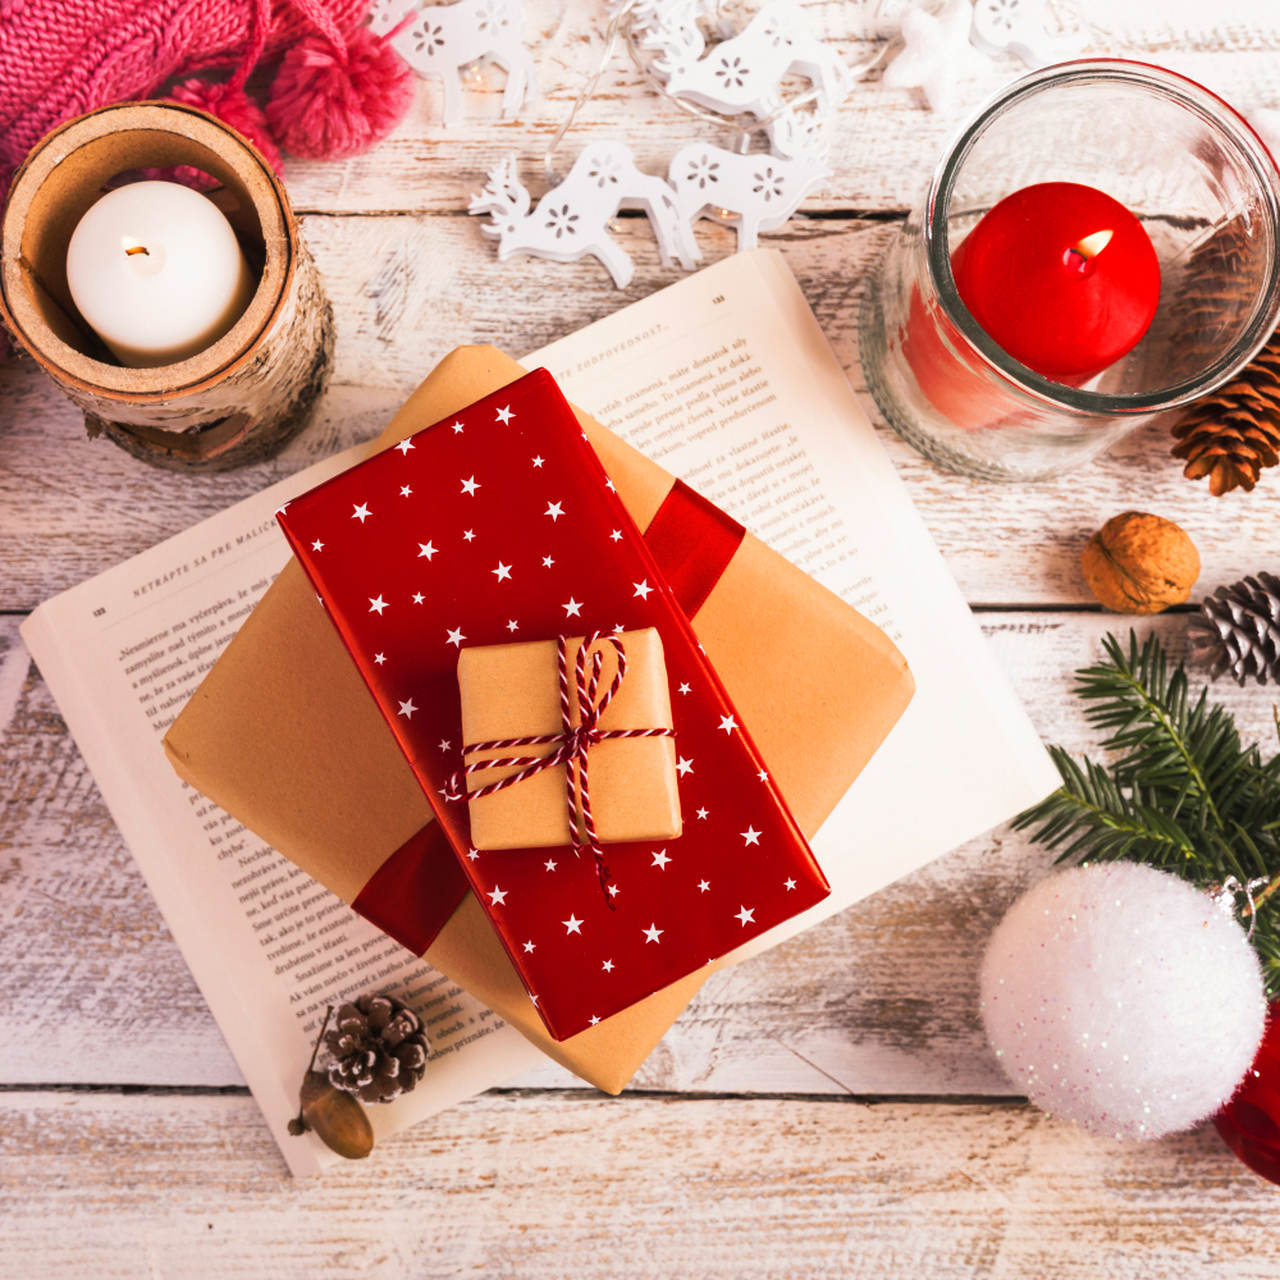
x=500, y=524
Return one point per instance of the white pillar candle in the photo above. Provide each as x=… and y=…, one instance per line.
x=156, y=270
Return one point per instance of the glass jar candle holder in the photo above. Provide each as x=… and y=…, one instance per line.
x=1206, y=191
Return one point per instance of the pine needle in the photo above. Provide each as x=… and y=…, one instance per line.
x=1178, y=790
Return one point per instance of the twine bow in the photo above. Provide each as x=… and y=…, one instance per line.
x=572, y=744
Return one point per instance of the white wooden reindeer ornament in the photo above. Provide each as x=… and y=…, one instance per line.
x=1027, y=29
x=438, y=41
x=572, y=220
x=753, y=193
x=745, y=72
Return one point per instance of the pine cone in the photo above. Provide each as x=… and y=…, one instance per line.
x=1238, y=630
x=379, y=1049
x=1231, y=435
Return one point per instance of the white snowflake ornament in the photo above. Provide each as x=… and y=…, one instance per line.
x=752, y=193
x=439, y=40
x=1027, y=29
x=572, y=220
x=935, y=51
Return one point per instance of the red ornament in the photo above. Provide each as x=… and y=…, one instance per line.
x=1250, y=1123
x=1062, y=276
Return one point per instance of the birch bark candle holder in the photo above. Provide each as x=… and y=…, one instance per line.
x=238, y=400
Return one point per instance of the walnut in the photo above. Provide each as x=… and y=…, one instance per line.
x=1140, y=563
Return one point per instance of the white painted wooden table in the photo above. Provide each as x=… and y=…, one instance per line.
x=828, y=1110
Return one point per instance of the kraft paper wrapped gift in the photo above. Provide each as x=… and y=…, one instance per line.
x=283, y=735
x=512, y=691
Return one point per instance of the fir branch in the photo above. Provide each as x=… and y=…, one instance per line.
x=1179, y=791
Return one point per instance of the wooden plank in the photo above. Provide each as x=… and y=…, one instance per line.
x=408, y=289
x=884, y=143
x=879, y=1000
x=537, y=1186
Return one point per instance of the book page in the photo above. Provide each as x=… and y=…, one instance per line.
x=727, y=381
x=269, y=947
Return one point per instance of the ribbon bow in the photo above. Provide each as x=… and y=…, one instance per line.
x=572, y=744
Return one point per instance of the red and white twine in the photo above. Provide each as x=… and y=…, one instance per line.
x=572, y=744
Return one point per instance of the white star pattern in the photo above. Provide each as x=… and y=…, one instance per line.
x=502, y=572
x=550, y=864
x=789, y=883
x=317, y=545
x=404, y=446
x=456, y=427
x=704, y=885
x=703, y=814
x=652, y=933
x=445, y=744
x=427, y=549
x=469, y=486
x=379, y=658
x=572, y=924
x=616, y=535
x=505, y=415
x=498, y=897
x=608, y=484
x=554, y=510
x=751, y=835
x=418, y=597
x=684, y=688
x=660, y=859
x=455, y=637
x=594, y=1020
x=361, y=513
x=406, y=491
x=614, y=891
x=607, y=966
x=528, y=947
x=538, y=460
x=763, y=775
x=684, y=766
x=547, y=562
x=642, y=589
x=728, y=723
x=746, y=916
x=472, y=854
x=468, y=535
x=618, y=627
x=513, y=625
x=573, y=608
x=376, y=605
x=407, y=709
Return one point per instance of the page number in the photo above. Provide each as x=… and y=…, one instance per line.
x=99, y=611
x=717, y=300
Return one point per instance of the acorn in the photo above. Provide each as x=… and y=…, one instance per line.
x=335, y=1117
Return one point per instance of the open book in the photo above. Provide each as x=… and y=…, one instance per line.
x=726, y=380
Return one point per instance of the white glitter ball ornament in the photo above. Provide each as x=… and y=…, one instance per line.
x=1123, y=999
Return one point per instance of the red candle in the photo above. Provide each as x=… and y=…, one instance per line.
x=1062, y=276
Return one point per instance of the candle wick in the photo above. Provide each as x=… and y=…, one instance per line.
x=138, y=248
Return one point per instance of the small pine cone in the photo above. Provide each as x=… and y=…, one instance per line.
x=1238, y=630
x=379, y=1049
x=1231, y=435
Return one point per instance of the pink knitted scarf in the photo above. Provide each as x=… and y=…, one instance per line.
x=59, y=58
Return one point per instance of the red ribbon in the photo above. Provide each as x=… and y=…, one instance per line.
x=572, y=744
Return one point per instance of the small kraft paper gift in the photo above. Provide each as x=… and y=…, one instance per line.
x=500, y=525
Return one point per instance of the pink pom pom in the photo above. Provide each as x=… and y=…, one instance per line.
x=233, y=107
x=327, y=102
